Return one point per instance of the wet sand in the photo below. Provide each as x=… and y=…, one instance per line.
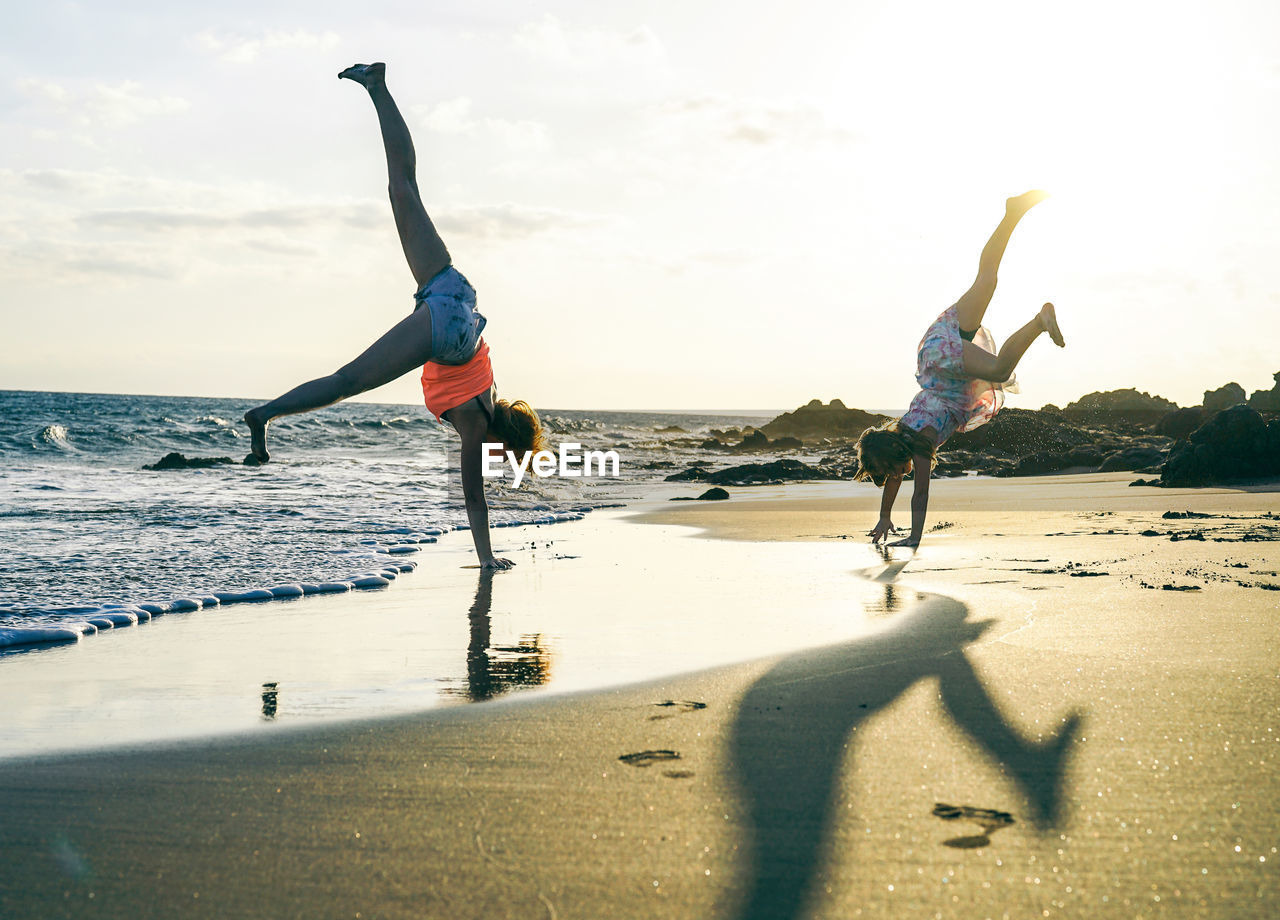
x=1022, y=721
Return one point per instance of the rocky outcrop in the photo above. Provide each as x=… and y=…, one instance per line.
x=1224, y=397
x=1179, y=423
x=1127, y=400
x=1267, y=400
x=1233, y=445
x=1118, y=407
x=814, y=421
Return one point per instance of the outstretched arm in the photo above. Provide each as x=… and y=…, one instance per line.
x=885, y=526
x=923, y=464
x=473, y=426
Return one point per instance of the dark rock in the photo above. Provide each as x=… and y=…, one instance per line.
x=1267, y=400
x=1132, y=458
x=813, y=421
x=1179, y=423
x=1041, y=462
x=711, y=444
x=176, y=461
x=727, y=434
x=774, y=471
x=692, y=474
x=754, y=440
x=1224, y=397
x=1234, y=444
x=1084, y=455
x=1020, y=432
x=1118, y=407
x=711, y=495
x=786, y=444
x=1126, y=400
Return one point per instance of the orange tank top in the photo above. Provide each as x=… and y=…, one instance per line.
x=445, y=386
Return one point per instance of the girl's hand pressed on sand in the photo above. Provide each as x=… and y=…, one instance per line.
x=882, y=530
x=497, y=562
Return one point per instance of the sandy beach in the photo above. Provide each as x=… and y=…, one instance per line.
x=1063, y=704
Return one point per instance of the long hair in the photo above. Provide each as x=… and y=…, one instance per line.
x=517, y=426
x=891, y=447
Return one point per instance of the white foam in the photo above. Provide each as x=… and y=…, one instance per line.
x=16, y=637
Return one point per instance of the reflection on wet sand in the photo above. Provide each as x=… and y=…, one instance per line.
x=493, y=670
x=270, y=700
x=817, y=700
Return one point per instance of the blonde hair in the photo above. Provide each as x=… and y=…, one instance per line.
x=891, y=447
x=517, y=426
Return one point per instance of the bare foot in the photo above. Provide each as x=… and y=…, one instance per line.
x=258, y=439
x=1021, y=204
x=1049, y=320
x=365, y=74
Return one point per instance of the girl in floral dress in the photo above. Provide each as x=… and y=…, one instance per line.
x=962, y=379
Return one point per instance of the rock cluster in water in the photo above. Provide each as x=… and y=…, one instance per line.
x=177, y=461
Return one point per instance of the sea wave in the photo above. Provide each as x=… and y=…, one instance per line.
x=87, y=530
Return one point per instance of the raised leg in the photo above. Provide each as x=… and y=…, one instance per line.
x=405, y=346
x=423, y=248
x=980, y=363
x=971, y=307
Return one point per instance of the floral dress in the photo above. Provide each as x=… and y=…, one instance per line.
x=949, y=400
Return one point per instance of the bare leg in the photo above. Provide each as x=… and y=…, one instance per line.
x=423, y=248
x=973, y=305
x=405, y=346
x=980, y=363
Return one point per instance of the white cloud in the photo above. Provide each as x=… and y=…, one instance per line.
x=454, y=117
x=748, y=121
x=284, y=217
x=102, y=104
x=241, y=49
x=585, y=49
x=507, y=221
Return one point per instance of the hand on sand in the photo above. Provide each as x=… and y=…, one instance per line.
x=882, y=530
x=496, y=562
x=906, y=541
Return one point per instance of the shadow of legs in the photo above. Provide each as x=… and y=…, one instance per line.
x=1037, y=767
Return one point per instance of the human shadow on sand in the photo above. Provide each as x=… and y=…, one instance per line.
x=789, y=738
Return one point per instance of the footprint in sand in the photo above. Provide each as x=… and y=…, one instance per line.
x=648, y=758
x=989, y=819
x=676, y=707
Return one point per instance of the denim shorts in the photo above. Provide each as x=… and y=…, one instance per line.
x=455, y=324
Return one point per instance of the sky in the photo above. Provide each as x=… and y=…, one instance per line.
x=665, y=204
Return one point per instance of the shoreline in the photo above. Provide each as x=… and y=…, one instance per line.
x=801, y=783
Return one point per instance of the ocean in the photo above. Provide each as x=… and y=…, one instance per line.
x=353, y=490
